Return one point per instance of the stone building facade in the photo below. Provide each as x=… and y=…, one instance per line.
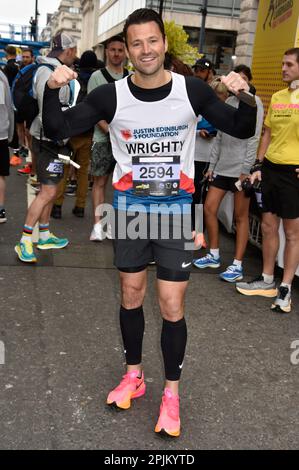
x=246, y=33
x=67, y=19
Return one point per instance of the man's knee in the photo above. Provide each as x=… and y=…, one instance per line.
x=171, y=309
x=269, y=228
x=100, y=182
x=292, y=235
x=48, y=192
x=209, y=210
x=242, y=218
x=132, y=295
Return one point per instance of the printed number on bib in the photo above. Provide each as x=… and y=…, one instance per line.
x=55, y=167
x=156, y=176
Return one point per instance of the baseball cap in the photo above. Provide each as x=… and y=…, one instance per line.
x=203, y=64
x=61, y=42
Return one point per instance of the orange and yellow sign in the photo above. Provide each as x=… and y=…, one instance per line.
x=277, y=30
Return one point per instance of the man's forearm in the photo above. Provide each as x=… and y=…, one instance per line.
x=54, y=124
x=265, y=142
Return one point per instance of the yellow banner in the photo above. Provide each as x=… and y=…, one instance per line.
x=277, y=30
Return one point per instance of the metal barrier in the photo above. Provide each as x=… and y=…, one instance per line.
x=255, y=232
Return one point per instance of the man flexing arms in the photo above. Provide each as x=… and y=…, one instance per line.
x=153, y=106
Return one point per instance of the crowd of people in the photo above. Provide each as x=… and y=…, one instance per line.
x=167, y=132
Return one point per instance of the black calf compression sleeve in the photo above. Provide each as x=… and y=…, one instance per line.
x=173, y=343
x=132, y=329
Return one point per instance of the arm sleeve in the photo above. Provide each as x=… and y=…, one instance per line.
x=253, y=142
x=99, y=104
x=238, y=122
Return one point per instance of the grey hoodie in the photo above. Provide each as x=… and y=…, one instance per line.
x=231, y=156
x=6, y=110
x=41, y=77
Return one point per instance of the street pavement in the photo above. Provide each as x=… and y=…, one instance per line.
x=63, y=351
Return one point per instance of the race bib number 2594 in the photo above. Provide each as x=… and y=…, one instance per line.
x=156, y=176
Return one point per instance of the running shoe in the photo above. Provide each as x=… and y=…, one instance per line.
x=130, y=387
x=25, y=252
x=52, y=242
x=98, y=234
x=56, y=212
x=232, y=273
x=71, y=190
x=169, y=420
x=208, y=261
x=257, y=287
x=33, y=180
x=78, y=211
x=23, y=151
x=200, y=241
x=15, y=160
x=282, y=303
x=2, y=216
x=26, y=170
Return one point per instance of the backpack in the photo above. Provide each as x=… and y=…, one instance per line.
x=109, y=78
x=22, y=92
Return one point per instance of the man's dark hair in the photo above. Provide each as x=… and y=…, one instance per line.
x=117, y=38
x=28, y=50
x=11, y=50
x=141, y=16
x=293, y=51
x=245, y=69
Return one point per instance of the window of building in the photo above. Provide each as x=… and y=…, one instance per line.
x=102, y=3
x=74, y=10
x=215, y=7
x=74, y=25
x=117, y=13
x=213, y=39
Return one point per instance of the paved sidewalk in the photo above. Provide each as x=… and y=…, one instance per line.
x=63, y=352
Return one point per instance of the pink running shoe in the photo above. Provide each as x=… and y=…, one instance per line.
x=130, y=387
x=169, y=420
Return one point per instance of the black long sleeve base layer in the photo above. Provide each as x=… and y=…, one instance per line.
x=173, y=344
x=132, y=329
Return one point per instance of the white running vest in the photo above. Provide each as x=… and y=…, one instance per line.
x=160, y=128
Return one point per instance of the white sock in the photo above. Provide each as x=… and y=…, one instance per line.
x=44, y=233
x=27, y=234
x=283, y=284
x=238, y=263
x=26, y=238
x=268, y=279
x=214, y=252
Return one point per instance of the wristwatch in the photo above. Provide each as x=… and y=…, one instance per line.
x=257, y=166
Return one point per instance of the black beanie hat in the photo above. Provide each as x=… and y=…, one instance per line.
x=88, y=60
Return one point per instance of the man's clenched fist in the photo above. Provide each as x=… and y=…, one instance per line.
x=235, y=83
x=61, y=76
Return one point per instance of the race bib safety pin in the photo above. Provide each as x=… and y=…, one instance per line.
x=68, y=161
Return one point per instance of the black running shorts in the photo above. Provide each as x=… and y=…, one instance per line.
x=227, y=183
x=280, y=190
x=4, y=158
x=49, y=169
x=172, y=254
